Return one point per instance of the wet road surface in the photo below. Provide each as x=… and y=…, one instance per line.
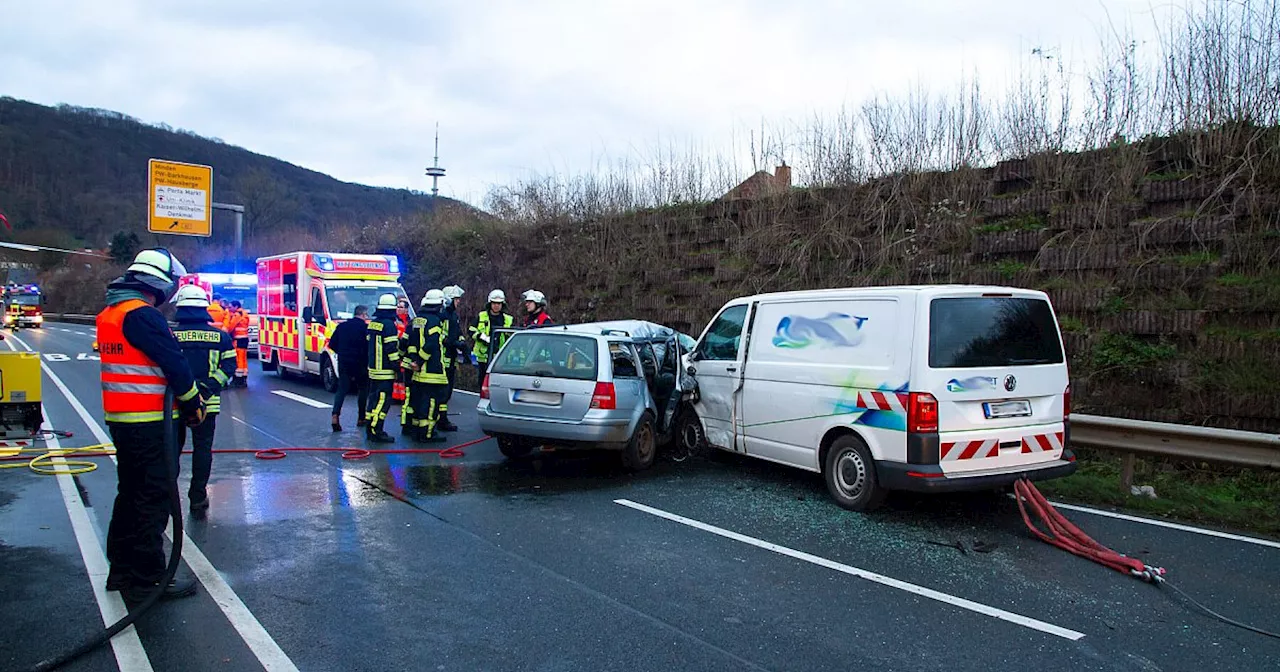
x=564, y=562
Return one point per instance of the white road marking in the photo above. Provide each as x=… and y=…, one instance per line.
x=130, y=655
x=265, y=648
x=473, y=394
x=993, y=612
x=1172, y=526
x=301, y=399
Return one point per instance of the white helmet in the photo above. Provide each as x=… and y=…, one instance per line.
x=497, y=296
x=433, y=297
x=452, y=292
x=191, y=295
x=387, y=302
x=158, y=270
x=536, y=297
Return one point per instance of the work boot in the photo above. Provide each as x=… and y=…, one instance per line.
x=178, y=588
x=444, y=425
x=360, y=421
x=333, y=422
x=199, y=503
x=380, y=436
x=432, y=437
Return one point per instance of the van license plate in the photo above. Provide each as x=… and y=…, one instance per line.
x=538, y=397
x=1007, y=409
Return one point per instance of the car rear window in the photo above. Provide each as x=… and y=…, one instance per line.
x=976, y=332
x=548, y=355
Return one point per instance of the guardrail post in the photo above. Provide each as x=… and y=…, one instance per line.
x=1127, y=464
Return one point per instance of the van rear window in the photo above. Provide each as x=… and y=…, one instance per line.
x=548, y=355
x=977, y=332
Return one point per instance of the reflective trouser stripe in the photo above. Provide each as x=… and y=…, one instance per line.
x=134, y=388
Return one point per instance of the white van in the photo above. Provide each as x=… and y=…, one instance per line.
x=927, y=388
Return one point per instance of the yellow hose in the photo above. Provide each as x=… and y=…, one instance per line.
x=73, y=467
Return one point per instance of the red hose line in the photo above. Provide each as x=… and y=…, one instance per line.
x=1065, y=535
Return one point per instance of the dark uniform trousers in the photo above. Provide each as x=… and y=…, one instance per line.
x=201, y=454
x=135, y=538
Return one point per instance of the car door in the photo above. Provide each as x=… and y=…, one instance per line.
x=716, y=361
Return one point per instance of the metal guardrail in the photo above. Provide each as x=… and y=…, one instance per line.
x=71, y=318
x=1187, y=442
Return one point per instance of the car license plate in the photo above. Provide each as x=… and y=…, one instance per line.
x=538, y=397
x=1007, y=409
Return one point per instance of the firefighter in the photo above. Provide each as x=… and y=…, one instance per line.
x=141, y=360
x=237, y=324
x=212, y=358
x=535, y=309
x=217, y=312
x=453, y=348
x=481, y=331
x=428, y=384
x=383, y=347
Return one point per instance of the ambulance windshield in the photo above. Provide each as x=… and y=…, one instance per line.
x=343, y=299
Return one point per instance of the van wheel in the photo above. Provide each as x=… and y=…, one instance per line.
x=850, y=473
x=513, y=447
x=271, y=365
x=327, y=377
x=280, y=370
x=641, y=450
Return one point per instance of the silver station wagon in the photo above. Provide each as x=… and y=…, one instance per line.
x=611, y=385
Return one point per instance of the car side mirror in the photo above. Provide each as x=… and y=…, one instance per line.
x=306, y=314
x=691, y=371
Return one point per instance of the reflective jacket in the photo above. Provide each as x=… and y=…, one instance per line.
x=210, y=354
x=425, y=349
x=140, y=360
x=383, y=346
x=481, y=331
x=538, y=319
x=217, y=315
x=237, y=324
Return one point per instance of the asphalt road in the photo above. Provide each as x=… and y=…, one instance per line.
x=415, y=562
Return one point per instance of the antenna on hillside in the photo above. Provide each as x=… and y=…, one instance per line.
x=435, y=172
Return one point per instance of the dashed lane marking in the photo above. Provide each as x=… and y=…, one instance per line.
x=1016, y=619
x=300, y=399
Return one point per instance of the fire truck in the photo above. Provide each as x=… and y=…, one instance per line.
x=23, y=306
x=302, y=296
x=242, y=287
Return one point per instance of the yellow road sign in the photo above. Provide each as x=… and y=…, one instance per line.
x=179, y=198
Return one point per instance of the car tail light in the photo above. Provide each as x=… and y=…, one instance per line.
x=484, y=387
x=605, y=397
x=1066, y=403
x=922, y=413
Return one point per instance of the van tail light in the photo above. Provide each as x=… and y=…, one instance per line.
x=922, y=413
x=605, y=397
x=484, y=387
x=1066, y=403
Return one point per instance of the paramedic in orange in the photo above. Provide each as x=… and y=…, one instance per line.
x=141, y=362
x=237, y=325
x=217, y=313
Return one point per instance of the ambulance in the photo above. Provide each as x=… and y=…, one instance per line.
x=302, y=296
x=242, y=287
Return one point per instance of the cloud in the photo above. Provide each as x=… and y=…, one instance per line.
x=354, y=89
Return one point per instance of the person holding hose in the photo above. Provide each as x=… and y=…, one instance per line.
x=486, y=344
x=453, y=348
x=382, y=349
x=212, y=358
x=141, y=361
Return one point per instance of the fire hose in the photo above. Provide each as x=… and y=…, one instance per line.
x=1065, y=535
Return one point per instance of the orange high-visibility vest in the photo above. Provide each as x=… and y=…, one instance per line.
x=217, y=315
x=133, y=386
x=238, y=323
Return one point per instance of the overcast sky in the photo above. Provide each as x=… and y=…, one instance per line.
x=354, y=88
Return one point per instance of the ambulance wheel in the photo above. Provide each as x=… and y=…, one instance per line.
x=327, y=377
x=850, y=473
x=513, y=447
x=641, y=450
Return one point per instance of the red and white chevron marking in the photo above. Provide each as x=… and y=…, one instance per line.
x=968, y=450
x=1042, y=443
x=876, y=400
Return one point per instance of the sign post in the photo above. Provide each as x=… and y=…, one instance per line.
x=179, y=198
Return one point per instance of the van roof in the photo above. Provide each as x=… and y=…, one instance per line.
x=893, y=289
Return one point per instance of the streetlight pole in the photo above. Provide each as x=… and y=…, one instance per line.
x=238, y=211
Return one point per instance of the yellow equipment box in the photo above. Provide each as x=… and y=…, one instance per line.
x=20, y=412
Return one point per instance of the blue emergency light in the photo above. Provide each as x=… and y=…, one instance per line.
x=325, y=262
x=393, y=263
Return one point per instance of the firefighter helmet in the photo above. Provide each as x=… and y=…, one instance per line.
x=497, y=296
x=433, y=297
x=191, y=295
x=387, y=302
